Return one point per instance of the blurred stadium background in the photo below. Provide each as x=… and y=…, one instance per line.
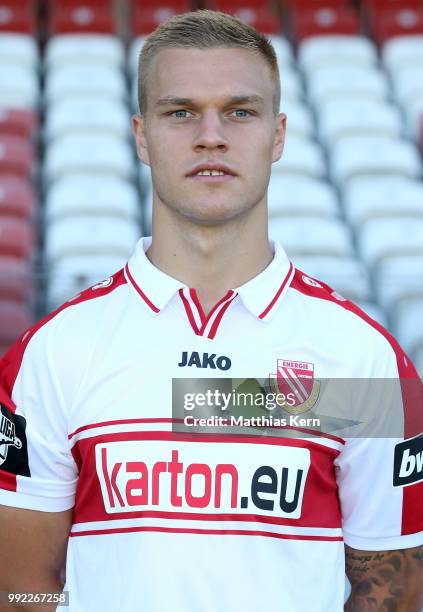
x=345, y=200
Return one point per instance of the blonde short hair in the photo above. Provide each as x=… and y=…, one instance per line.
x=205, y=29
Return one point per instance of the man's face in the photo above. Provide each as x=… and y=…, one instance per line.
x=208, y=126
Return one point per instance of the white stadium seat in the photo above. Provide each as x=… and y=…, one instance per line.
x=88, y=115
x=391, y=196
x=317, y=51
x=299, y=118
x=90, y=154
x=291, y=85
x=346, y=83
x=85, y=81
x=340, y=118
x=346, y=275
x=87, y=235
x=374, y=155
x=300, y=195
x=134, y=54
x=19, y=87
x=409, y=326
x=71, y=275
x=399, y=279
x=72, y=49
x=382, y=238
x=283, y=49
x=414, y=114
x=92, y=195
x=402, y=52
x=408, y=84
x=312, y=236
x=301, y=156
x=19, y=50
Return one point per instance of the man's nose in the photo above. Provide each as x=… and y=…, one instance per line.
x=210, y=132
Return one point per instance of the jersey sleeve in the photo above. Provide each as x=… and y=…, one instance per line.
x=37, y=469
x=380, y=477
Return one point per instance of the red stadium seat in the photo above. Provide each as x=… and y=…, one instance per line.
x=15, y=318
x=230, y=6
x=17, y=17
x=17, y=198
x=16, y=156
x=16, y=238
x=393, y=23
x=66, y=5
x=16, y=122
x=315, y=4
x=146, y=19
x=82, y=18
x=261, y=18
x=16, y=280
x=179, y=6
x=321, y=21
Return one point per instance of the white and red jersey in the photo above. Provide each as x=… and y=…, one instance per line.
x=165, y=520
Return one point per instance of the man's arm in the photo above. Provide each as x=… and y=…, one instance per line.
x=385, y=581
x=32, y=553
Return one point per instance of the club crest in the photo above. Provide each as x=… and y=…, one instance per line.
x=297, y=379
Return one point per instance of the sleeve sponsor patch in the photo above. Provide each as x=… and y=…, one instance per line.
x=13, y=444
x=408, y=462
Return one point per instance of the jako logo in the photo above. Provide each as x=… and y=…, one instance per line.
x=408, y=462
x=205, y=361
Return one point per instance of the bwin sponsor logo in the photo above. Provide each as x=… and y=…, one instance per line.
x=408, y=462
x=205, y=360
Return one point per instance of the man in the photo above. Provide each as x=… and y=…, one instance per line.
x=155, y=519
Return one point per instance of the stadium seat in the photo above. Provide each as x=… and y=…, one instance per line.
x=291, y=86
x=145, y=18
x=16, y=238
x=308, y=22
x=346, y=275
x=399, y=279
x=16, y=156
x=301, y=156
x=17, y=198
x=19, y=87
x=81, y=18
x=87, y=153
x=15, y=318
x=383, y=238
x=402, y=52
x=92, y=195
x=346, y=83
x=255, y=14
x=90, y=79
x=375, y=197
x=16, y=18
x=312, y=236
x=327, y=51
x=301, y=195
x=409, y=328
x=283, y=49
x=76, y=49
x=90, y=235
x=394, y=23
x=413, y=115
x=71, y=275
x=353, y=156
x=408, y=84
x=18, y=50
x=17, y=122
x=358, y=117
x=87, y=115
x=16, y=280
x=299, y=118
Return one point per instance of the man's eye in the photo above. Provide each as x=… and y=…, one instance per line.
x=178, y=114
x=241, y=110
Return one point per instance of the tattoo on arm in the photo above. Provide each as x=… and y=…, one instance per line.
x=385, y=581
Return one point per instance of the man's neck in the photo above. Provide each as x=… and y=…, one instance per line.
x=212, y=260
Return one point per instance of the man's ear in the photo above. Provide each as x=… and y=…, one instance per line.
x=279, y=137
x=138, y=130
